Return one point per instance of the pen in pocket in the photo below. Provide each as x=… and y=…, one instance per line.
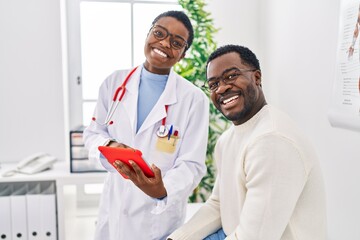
x=175, y=136
x=170, y=132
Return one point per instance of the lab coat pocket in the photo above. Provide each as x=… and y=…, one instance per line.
x=164, y=150
x=166, y=145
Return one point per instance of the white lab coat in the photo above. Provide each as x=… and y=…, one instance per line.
x=126, y=212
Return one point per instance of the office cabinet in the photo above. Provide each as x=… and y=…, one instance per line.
x=28, y=210
x=42, y=197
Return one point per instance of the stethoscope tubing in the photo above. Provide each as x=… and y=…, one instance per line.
x=115, y=100
x=162, y=131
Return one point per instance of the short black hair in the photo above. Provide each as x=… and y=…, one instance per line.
x=183, y=18
x=246, y=55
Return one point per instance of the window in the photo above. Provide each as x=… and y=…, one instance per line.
x=104, y=36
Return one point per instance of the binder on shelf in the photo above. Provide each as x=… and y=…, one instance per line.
x=33, y=205
x=18, y=217
x=79, y=161
x=18, y=211
x=48, y=212
x=48, y=216
x=5, y=212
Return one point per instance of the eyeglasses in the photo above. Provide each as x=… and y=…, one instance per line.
x=160, y=33
x=229, y=77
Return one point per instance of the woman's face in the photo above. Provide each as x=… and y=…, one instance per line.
x=160, y=55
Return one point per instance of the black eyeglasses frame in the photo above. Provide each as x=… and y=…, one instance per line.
x=172, y=36
x=227, y=78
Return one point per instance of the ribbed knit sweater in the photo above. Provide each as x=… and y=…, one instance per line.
x=269, y=185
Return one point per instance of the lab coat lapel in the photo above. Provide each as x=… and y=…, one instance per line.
x=131, y=98
x=168, y=97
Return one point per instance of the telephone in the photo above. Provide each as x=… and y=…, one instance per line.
x=33, y=164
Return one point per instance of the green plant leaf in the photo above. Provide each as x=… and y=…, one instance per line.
x=193, y=68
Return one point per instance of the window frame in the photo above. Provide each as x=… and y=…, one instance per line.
x=74, y=62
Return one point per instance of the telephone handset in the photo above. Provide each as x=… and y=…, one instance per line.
x=33, y=164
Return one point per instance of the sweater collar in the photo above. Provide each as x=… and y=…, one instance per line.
x=252, y=121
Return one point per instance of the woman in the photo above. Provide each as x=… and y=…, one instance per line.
x=166, y=118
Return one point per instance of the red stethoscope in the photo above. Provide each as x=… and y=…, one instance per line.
x=161, y=132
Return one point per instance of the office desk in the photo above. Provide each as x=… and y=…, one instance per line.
x=62, y=177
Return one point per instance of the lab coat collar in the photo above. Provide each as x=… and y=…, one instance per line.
x=132, y=85
x=130, y=98
x=168, y=97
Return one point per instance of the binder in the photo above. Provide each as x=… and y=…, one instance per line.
x=33, y=205
x=5, y=218
x=48, y=216
x=19, y=217
x=48, y=212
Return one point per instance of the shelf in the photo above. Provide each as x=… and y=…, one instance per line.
x=60, y=172
x=64, y=179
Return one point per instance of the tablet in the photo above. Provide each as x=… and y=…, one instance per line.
x=125, y=154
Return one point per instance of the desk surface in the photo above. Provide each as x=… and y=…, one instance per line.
x=60, y=171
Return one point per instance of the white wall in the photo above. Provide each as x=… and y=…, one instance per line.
x=31, y=93
x=237, y=21
x=297, y=42
x=294, y=40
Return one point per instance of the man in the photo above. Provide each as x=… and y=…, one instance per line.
x=269, y=184
x=164, y=116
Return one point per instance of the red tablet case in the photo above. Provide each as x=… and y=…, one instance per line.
x=125, y=154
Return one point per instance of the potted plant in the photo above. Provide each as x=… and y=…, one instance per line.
x=193, y=68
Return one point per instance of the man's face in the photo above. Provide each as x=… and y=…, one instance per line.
x=160, y=55
x=241, y=97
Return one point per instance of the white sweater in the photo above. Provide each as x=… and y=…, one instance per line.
x=269, y=185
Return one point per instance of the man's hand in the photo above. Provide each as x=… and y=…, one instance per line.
x=154, y=187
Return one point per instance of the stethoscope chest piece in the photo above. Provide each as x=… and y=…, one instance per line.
x=162, y=131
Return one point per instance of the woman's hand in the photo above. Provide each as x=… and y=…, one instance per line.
x=116, y=144
x=153, y=187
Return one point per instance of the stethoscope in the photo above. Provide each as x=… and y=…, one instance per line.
x=163, y=131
